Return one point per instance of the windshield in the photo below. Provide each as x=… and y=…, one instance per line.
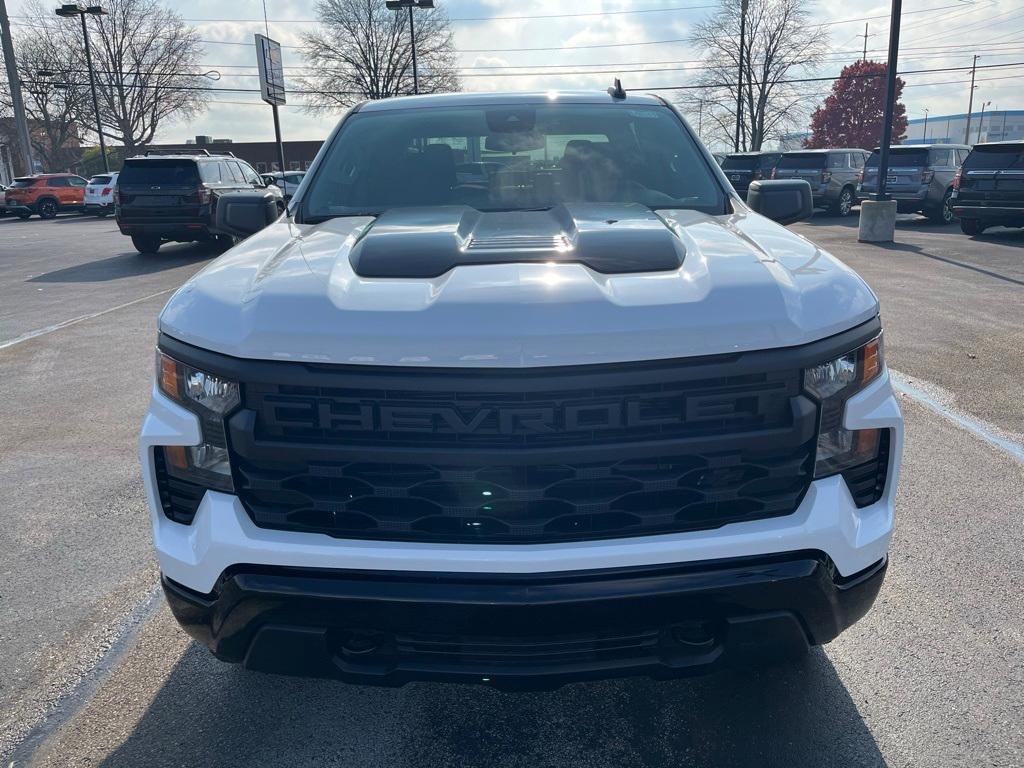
x=159, y=172
x=995, y=158
x=511, y=158
x=22, y=183
x=916, y=157
x=100, y=180
x=808, y=160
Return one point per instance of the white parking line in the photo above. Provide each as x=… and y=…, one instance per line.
x=73, y=321
x=938, y=401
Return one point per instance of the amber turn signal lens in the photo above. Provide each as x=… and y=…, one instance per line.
x=872, y=365
x=168, y=376
x=176, y=456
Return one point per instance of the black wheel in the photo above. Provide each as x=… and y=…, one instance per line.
x=844, y=205
x=971, y=227
x=47, y=209
x=944, y=213
x=223, y=242
x=146, y=243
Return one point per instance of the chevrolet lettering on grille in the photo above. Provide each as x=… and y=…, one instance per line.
x=354, y=415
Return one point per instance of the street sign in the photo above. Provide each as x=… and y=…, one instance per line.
x=268, y=58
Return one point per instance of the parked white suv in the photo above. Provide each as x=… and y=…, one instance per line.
x=591, y=416
x=99, y=194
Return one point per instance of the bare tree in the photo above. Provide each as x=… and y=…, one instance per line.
x=780, y=45
x=53, y=106
x=145, y=58
x=362, y=50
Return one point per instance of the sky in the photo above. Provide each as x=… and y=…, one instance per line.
x=641, y=41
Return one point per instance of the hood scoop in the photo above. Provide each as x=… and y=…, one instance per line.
x=610, y=238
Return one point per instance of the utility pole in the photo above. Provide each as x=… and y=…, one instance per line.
x=24, y=142
x=865, y=56
x=970, y=103
x=926, y=126
x=739, y=80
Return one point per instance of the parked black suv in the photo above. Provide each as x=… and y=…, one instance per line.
x=989, y=189
x=163, y=198
x=741, y=168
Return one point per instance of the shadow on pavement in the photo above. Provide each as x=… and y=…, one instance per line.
x=910, y=221
x=129, y=264
x=212, y=714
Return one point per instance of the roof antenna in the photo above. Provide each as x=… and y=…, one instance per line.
x=617, y=91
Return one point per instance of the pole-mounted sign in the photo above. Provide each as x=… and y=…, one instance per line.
x=268, y=59
x=272, y=91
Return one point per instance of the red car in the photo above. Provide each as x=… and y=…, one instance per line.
x=46, y=194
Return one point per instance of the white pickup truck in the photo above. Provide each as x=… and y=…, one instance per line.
x=580, y=414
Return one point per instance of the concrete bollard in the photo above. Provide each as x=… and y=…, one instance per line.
x=877, y=221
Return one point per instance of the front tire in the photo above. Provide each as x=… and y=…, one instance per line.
x=222, y=243
x=971, y=227
x=47, y=209
x=844, y=204
x=146, y=243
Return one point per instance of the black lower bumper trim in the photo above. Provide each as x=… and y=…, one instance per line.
x=524, y=631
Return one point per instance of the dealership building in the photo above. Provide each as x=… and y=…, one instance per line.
x=991, y=125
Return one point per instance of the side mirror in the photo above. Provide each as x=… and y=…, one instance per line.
x=785, y=201
x=245, y=213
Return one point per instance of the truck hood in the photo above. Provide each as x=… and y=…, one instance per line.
x=291, y=293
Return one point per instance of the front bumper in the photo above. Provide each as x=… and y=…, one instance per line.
x=533, y=630
x=222, y=534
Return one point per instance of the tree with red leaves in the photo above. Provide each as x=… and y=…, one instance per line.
x=852, y=114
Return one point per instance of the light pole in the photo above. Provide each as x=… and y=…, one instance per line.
x=70, y=10
x=397, y=5
x=878, y=214
x=981, y=118
x=739, y=80
x=925, y=139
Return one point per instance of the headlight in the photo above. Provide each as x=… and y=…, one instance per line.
x=211, y=398
x=832, y=384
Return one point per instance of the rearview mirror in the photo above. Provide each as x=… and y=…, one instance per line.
x=785, y=201
x=514, y=142
x=245, y=213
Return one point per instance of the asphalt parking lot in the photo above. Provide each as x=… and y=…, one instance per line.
x=94, y=670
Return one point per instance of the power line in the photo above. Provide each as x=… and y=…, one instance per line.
x=222, y=89
x=948, y=50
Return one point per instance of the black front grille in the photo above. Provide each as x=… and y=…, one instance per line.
x=521, y=457
x=179, y=499
x=542, y=502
